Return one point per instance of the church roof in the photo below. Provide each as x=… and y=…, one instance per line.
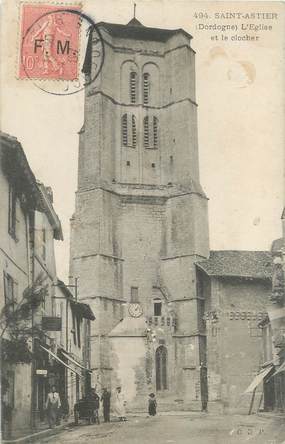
x=237, y=263
x=136, y=31
x=129, y=327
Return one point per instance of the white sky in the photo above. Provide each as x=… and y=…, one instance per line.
x=240, y=92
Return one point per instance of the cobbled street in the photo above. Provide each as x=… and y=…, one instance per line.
x=177, y=429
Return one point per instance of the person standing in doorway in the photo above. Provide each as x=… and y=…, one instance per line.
x=106, y=400
x=96, y=404
x=152, y=404
x=52, y=406
x=120, y=405
x=204, y=387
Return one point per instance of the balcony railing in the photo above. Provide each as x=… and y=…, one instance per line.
x=161, y=321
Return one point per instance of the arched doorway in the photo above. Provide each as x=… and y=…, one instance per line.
x=161, y=368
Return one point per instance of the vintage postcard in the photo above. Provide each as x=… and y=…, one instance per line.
x=142, y=255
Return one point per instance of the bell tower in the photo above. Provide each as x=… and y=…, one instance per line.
x=141, y=220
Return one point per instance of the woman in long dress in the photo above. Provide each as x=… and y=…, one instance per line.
x=120, y=405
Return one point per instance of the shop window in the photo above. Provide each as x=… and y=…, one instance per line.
x=161, y=368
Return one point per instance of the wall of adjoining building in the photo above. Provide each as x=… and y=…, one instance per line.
x=233, y=310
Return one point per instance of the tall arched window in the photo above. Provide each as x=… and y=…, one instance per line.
x=146, y=83
x=133, y=87
x=129, y=130
x=161, y=367
x=155, y=132
x=134, y=132
x=146, y=132
x=125, y=130
x=150, y=132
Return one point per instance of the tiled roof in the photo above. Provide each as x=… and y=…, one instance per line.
x=278, y=245
x=82, y=309
x=237, y=263
x=140, y=32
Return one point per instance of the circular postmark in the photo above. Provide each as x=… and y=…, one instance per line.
x=62, y=49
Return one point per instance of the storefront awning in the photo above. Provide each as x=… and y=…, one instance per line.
x=258, y=379
x=70, y=358
x=279, y=370
x=59, y=360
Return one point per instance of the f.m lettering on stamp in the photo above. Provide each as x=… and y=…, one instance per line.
x=49, y=42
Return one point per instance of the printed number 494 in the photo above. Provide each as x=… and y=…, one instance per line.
x=201, y=15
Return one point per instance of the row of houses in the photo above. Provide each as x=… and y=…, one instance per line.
x=44, y=328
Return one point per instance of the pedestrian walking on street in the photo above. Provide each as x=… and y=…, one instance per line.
x=52, y=406
x=96, y=402
x=152, y=404
x=120, y=405
x=106, y=400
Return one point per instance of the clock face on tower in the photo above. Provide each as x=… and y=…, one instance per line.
x=135, y=310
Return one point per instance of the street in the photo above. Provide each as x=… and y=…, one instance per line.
x=194, y=428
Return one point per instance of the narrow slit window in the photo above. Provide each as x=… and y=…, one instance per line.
x=134, y=132
x=134, y=295
x=146, y=132
x=157, y=307
x=146, y=79
x=125, y=130
x=133, y=87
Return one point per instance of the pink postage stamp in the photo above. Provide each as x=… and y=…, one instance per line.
x=49, y=42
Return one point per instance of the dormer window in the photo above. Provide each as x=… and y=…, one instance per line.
x=146, y=82
x=133, y=87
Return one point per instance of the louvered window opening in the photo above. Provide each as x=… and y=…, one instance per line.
x=146, y=88
x=146, y=132
x=133, y=87
x=155, y=132
x=125, y=130
x=134, y=132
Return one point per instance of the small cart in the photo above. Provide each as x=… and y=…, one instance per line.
x=85, y=409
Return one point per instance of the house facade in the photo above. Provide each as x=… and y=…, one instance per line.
x=50, y=344
x=234, y=287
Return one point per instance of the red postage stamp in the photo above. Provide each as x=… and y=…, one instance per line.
x=49, y=42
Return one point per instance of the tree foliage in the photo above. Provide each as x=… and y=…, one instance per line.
x=16, y=321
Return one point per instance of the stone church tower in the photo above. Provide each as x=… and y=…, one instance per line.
x=141, y=218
